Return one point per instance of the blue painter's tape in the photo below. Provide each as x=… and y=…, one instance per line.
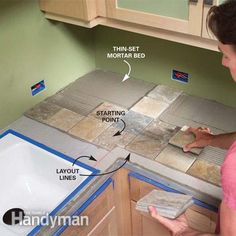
x=59, y=155
x=86, y=204
x=168, y=189
x=40, y=86
x=180, y=76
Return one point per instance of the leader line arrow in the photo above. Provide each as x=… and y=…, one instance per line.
x=119, y=132
x=91, y=158
x=106, y=173
x=128, y=74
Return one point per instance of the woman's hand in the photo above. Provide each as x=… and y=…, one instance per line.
x=178, y=227
x=203, y=138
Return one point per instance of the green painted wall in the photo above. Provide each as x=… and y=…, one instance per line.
x=207, y=77
x=33, y=48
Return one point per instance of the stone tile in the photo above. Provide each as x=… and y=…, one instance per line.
x=164, y=93
x=107, y=110
x=174, y=157
x=135, y=122
x=206, y=171
x=108, y=141
x=64, y=119
x=43, y=111
x=181, y=138
x=147, y=145
x=78, y=105
x=89, y=128
x=162, y=130
x=150, y=107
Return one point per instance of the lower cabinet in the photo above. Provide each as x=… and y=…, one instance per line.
x=101, y=215
x=112, y=212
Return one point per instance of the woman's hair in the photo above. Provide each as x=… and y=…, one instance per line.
x=221, y=20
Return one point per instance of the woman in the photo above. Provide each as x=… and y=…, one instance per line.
x=222, y=22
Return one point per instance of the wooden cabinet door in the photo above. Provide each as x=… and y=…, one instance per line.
x=79, y=9
x=183, y=16
x=107, y=226
x=96, y=212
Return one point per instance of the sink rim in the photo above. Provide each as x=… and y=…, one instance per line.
x=59, y=155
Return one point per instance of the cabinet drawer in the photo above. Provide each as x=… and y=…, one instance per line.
x=95, y=212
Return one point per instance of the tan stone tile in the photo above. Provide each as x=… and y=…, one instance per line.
x=146, y=145
x=206, y=171
x=89, y=128
x=108, y=110
x=181, y=138
x=175, y=158
x=150, y=107
x=43, y=111
x=108, y=141
x=64, y=119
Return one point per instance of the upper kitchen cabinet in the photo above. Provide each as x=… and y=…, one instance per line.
x=183, y=16
x=85, y=10
x=207, y=5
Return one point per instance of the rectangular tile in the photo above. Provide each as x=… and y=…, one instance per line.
x=147, y=145
x=64, y=119
x=43, y=111
x=206, y=171
x=164, y=93
x=175, y=158
x=182, y=138
x=150, y=107
x=109, y=142
x=89, y=128
x=135, y=122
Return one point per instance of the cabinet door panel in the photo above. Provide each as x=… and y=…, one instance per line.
x=184, y=16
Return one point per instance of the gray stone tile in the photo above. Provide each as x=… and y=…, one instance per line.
x=135, y=122
x=175, y=158
x=108, y=110
x=64, y=119
x=43, y=111
x=108, y=86
x=71, y=104
x=206, y=171
x=164, y=93
x=182, y=138
x=108, y=141
x=147, y=145
x=89, y=128
x=150, y=107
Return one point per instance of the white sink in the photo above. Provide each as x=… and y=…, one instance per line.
x=29, y=181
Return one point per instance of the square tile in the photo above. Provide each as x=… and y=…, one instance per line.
x=89, y=128
x=164, y=93
x=135, y=122
x=181, y=138
x=150, y=107
x=174, y=157
x=64, y=119
x=206, y=171
x=43, y=111
x=108, y=110
x=162, y=130
x=147, y=145
x=108, y=141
